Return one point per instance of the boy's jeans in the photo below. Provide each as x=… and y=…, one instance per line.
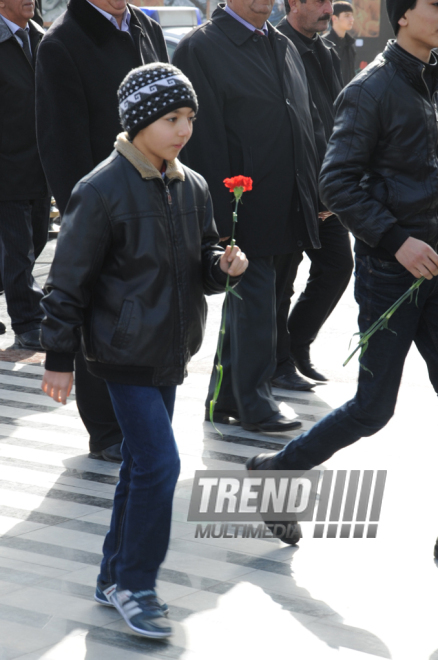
x=137, y=541
x=378, y=285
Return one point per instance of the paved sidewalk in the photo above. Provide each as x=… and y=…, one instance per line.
x=346, y=599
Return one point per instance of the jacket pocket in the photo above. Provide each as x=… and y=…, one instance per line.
x=122, y=324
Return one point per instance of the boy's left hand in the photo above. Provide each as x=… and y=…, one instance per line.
x=233, y=261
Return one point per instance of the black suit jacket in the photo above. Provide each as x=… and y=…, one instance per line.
x=21, y=174
x=255, y=118
x=82, y=60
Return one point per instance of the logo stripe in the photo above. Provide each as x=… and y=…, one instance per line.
x=365, y=491
x=338, y=493
x=327, y=478
x=350, y=500
x=378, y=495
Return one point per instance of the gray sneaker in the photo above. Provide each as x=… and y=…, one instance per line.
x=142, y=612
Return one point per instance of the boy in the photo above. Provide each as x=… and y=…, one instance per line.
x=136, y=253
x=380, y=176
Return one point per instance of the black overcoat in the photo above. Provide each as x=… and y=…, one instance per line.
x=21, y=174
x=82, y=60
x=255, y=119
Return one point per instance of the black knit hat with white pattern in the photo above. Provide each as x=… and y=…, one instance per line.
x=150, y=92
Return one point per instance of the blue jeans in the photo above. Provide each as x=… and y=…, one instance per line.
x=137, y=541
x=378, y=285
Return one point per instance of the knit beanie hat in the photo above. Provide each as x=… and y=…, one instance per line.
x=150, y=92
x=396, y=9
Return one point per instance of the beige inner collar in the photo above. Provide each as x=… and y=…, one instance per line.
x=174, y=168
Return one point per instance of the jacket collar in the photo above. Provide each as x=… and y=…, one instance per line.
x=124, y=147
x=336, y=39
x=237, y=32
x=410, y=66
x=6, y=34
x=98, y=28
x=286, y=28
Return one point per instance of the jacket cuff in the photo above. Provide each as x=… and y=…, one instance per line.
x=393, y=239
x=62, y=362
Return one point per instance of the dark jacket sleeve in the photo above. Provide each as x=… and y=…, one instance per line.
x=348, y=158
x=62, y=120
x=214, y=162
x=214, y=278
x=83, y=243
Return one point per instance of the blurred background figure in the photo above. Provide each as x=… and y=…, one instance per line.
x=24, y=197
x=342, y=21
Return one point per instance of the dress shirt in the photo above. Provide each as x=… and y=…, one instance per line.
x=13, y=28
x=245, y=23
x=124, y=27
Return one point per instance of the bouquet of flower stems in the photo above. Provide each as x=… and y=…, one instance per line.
x=382, y=322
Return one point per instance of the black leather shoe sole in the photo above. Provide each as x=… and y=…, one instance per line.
x=222, y=416
x=292, y=382
x=272, y=426
x=309, y=372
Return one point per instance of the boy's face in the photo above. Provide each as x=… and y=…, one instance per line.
x=345, y=20
x=164, y=139
x=421, y=24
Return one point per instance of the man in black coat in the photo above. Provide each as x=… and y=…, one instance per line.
x=254, y=119
x=24, y=198
x=332, y=265
x=82, y=61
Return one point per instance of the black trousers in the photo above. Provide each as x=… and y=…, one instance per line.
x=330, y=272
x=249, y=352
x=24, y=229
x=95, y=408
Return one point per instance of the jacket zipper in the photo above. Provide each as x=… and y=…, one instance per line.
x=433, y=106
x=178, y=344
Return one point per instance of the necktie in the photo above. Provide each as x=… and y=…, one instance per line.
x=25, y=39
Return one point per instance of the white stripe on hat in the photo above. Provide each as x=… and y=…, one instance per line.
x=150, y=89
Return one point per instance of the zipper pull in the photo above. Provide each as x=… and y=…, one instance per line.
x=169, y=196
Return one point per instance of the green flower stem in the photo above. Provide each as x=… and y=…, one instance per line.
x=382, y=322
x=220, y=343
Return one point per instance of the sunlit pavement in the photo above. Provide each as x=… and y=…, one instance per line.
x=346, y=599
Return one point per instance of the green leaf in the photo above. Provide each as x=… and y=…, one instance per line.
x=234, y=293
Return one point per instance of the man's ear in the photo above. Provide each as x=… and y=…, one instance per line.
x=293, y=6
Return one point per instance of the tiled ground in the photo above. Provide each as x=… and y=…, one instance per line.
x=229, y=598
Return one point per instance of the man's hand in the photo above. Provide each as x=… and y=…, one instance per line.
x=323, y=215
x=233, y=261
x=418, y=258
x=58, y=385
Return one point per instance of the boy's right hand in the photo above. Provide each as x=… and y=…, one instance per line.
x=57, y=384
x=418, y=258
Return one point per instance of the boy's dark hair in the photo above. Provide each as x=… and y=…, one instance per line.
x=341, y=6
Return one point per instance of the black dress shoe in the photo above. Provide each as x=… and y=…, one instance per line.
x=276, y=423
x=301, y=357
x=222, y=416
x=290, y=380
x=2, y=328
x=29, y=340
x=263, y=462
x=111, y=454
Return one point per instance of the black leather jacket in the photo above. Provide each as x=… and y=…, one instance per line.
x=380, y=173
x=135, y=256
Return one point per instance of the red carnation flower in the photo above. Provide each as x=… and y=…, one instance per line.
x=244, y=182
